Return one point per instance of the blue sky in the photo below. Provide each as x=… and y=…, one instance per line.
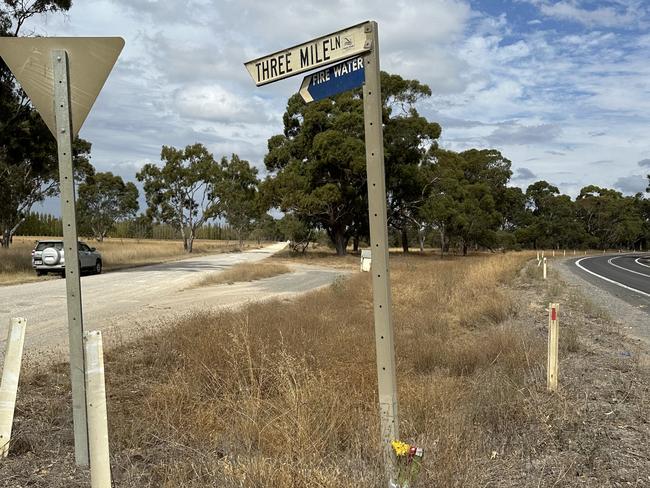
x=562, y=88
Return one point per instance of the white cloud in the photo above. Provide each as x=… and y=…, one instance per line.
x=558, y=98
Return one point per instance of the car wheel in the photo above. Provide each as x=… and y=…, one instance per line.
x=98, y=267
x=40, y=273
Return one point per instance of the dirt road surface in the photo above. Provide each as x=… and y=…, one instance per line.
x=130, y=302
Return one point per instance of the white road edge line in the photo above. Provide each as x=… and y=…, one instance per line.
x=610, y=281
x=641, y=264
x=609, y=261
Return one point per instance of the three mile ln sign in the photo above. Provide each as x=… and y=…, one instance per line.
x=333, y=80
x=309, y=55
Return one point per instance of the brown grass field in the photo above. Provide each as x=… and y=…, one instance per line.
x=16, y=266
x=243, y=272
x=283, y=394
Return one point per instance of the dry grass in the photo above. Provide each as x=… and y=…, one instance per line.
x=283, y=394
x=15, y=262
x=243, y=272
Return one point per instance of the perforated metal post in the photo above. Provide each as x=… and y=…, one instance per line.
x=9, y=383
x=387, y=385
x=62, y=112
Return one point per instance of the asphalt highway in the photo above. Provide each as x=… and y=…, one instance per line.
x=626, y=276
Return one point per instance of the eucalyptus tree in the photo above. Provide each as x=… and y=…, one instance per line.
x=186, y=191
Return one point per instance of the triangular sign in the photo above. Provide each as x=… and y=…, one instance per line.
x=90, y=62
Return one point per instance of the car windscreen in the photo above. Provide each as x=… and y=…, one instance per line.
x=44, y=245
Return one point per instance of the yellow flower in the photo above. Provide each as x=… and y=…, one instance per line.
x=400, y=448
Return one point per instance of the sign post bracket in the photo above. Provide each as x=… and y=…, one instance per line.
x=64, y=132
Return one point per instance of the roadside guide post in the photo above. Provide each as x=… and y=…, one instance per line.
x=63, y=76
x=9, y=382
x=344, y=45
x=100, y=466
x=553, y=341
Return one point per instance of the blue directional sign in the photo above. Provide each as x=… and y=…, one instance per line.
x=332, y=80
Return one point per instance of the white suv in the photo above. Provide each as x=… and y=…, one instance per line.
x=48, y=257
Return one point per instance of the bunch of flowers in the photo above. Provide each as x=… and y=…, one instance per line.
x=408, y=463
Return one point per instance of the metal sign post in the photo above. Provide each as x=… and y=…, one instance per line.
x=62, y=118
x=384, y=342
x=359, y=39
x=63, y=76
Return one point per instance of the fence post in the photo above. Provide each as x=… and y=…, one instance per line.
x=100, y=466
x=553, y=339
x=9, y=384
x=544, y=267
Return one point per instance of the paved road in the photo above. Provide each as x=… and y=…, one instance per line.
x=126, y=302
x=626, y=276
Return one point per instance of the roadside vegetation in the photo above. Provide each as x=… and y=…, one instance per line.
x=283, y=394
x=16, y=267
x=243, y=272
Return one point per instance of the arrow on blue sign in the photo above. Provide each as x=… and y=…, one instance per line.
x=333, y=80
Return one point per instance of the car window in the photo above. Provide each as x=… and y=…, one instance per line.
x=83, y=247
x=44, y=245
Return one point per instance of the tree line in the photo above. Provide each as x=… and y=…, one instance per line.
x=316, y=178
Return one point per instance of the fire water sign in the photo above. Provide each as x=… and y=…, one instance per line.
x=333, y=80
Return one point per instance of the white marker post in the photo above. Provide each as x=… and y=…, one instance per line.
x=359, y=39
x=366, y=260
x=553, y=341
x=544, y=268
x=9, y=384
x=63, y=76
x=100, y=464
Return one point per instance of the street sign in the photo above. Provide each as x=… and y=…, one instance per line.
x=359, y=39
x=332, y=80
x=309, y=55
x=63, y=76
x=91, y=61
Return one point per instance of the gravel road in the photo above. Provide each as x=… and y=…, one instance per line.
x=124, y=303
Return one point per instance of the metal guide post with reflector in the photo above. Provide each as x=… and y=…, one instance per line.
x=62, y=77
x=357, y=42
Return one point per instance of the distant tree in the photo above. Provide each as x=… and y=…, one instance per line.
x=408, y=137
x=240, y=203
x=105, y=199
x=298, y=232
x=184, y=193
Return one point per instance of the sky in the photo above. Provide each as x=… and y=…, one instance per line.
x=561, y=88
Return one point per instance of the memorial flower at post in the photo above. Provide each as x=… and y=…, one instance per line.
x=408, y=461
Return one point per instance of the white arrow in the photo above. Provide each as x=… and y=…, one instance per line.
x=304, y=90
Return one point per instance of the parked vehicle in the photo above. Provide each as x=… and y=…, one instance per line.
x=49, y=257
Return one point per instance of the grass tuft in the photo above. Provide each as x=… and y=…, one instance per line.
x=243, y=272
